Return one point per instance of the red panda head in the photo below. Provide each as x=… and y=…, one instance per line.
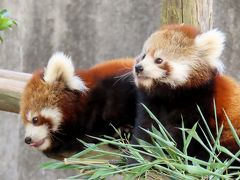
x=179, y=56
x=46, y=100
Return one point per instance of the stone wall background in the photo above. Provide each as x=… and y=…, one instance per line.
x=90, y=31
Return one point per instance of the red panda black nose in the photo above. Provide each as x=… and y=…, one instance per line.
x=28, y=140
x=138, y=68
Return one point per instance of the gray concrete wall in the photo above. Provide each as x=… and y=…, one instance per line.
x=89, y=30
x=227, y=18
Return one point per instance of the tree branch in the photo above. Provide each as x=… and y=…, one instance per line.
x=11, y=86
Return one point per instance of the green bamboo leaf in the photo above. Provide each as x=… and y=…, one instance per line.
x=235, y=135
x=162, y=128
x=206, y=137
x=215, y=115
x=187, y=141
x=194, y=134
x=4, y=13
x=173, y=173
x=206, y=124
x=197, y=170
x=146, y=146
x=217, y=142
x=5, y=23
x=226, y=151
x=167, y=143
x=185, y=146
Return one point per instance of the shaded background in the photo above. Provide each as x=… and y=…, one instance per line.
x=90, y=31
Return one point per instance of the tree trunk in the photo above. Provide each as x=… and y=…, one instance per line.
x=193, y=12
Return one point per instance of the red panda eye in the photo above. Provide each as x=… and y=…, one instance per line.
x=158, y=61
x=35, y=120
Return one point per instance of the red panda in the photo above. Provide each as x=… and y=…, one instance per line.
x=60, y=105
x=178, y=69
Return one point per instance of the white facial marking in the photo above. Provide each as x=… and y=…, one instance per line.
x=45, y=145
x=147, y=83
x=159, y=53
x=61, y=67
x=31, y=115
x=179, y=73
x=37, y=133
x=54, y=115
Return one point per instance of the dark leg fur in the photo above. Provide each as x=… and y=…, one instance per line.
x=168, y=105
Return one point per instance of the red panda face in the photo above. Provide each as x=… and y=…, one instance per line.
x=42, y=109
x=178, y=57
x=40, y=127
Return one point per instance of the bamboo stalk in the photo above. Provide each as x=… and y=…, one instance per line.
x=83, y=161
x=68, y=161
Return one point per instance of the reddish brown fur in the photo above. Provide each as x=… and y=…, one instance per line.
x=92, y=75
x=227, y=96
x=44, y=94
x=167, y=68
x=188, y=30
x=57, y=95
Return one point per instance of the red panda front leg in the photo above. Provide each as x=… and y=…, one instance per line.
x=144, y=121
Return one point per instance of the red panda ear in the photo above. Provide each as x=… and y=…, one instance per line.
x=210, y=46
x=60, y=68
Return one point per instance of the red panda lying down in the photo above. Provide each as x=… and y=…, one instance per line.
x=179, y=68
x=60, y=104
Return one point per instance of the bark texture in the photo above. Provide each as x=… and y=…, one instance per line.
x=195, y=12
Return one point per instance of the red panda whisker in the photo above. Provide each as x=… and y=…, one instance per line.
x=52, y=136
x=122, y=77
x=59, y=132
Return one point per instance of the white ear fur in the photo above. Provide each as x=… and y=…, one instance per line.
x=60, y=68
x=210, y=45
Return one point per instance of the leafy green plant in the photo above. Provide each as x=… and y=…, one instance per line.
x=169, y=161
x=5, y=21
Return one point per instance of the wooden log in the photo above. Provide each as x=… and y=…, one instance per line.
x=11, y=86
x=194, y=12
x=19, y=76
